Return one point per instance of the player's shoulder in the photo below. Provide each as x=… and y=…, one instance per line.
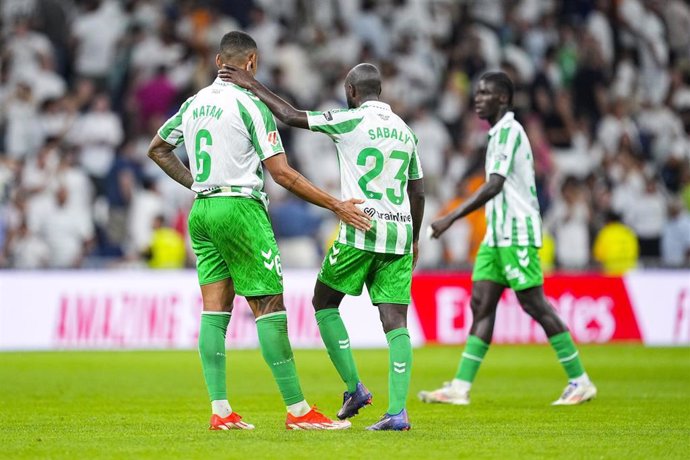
x=334, y=115
x=511, y=123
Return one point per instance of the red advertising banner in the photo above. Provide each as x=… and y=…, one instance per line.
x=596, y=308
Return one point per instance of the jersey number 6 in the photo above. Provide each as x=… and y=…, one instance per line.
x=203, y=159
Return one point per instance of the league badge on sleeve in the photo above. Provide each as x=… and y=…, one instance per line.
x=273, y=138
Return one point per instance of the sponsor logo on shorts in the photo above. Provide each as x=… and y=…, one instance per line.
x=328, y=116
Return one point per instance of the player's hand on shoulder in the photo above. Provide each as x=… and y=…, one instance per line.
x=231, y=74
x=349, y=213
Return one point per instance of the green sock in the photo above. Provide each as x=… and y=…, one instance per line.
x=337, y=343
x=212, y=352
x=567, y=354
x=400, y=370
x=472, y=357
x=276, y=350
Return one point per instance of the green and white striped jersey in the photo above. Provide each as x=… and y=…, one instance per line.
x=229, y=132
x=512, y=216
x=377, y=153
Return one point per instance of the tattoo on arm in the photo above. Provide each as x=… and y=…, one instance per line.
x=162, y=153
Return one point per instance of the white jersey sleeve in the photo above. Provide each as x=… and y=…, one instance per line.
x=415, y=170
x=171, y=131
x=334, y=123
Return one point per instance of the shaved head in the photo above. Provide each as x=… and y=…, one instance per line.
x=363, y=82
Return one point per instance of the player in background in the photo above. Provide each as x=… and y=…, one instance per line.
x=378, y=159
x=508, y=255
x=228, y=134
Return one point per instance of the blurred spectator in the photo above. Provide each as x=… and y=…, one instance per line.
x=21, y=137
x=675, y=240
x=97, y=133
x=568, y=220
x=26, y=250
x=96, y=32
x=67, y=231
x=146, y=206
x=154, y=97
x=616, y=247
x=646, y=215
x=167, y=248
x=123, y=179
x=26, y=48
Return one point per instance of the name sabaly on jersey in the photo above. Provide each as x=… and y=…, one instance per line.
x=377, y=153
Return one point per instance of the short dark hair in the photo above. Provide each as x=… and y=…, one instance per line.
x=502, y=81
x=235, y=44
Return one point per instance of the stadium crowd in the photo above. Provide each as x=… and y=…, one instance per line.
x=602, y=87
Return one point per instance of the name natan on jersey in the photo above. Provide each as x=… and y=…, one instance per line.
x=512, y=216
x=227, y=132
x=377, y=153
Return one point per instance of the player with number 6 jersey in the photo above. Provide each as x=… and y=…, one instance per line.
x=228, y=133
x=379, y=163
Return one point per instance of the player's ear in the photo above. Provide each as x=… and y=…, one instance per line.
x=219, y=63
x=251, y=64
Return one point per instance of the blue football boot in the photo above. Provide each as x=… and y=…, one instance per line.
x=353, y=402
x=398, y=422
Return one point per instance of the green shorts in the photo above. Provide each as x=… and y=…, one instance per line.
x=517, y=267
x=388, y=276
x=232, y=238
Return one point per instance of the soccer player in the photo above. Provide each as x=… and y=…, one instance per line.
x=508, y=255
x=228, y=134
x=379, y=164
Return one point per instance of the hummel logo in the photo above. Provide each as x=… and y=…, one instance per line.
x=333, y=257
x=523, y=258
x=344, y=344
x=267, y=256
x=399, y=368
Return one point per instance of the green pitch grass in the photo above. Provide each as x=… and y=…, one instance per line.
x=154, y=405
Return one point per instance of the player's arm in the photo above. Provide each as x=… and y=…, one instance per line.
x=487, y=191
x=294, y=182
x=162, y=153
x=280, y=108
x=415, y=190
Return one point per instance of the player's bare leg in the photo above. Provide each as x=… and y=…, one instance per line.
x=394, y=322
x=217, y=300
x=485, y=297
x=326, y=304
x=271, y=325
x=579, y=389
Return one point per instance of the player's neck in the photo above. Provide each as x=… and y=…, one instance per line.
x=367, y=99
x=501, y=112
